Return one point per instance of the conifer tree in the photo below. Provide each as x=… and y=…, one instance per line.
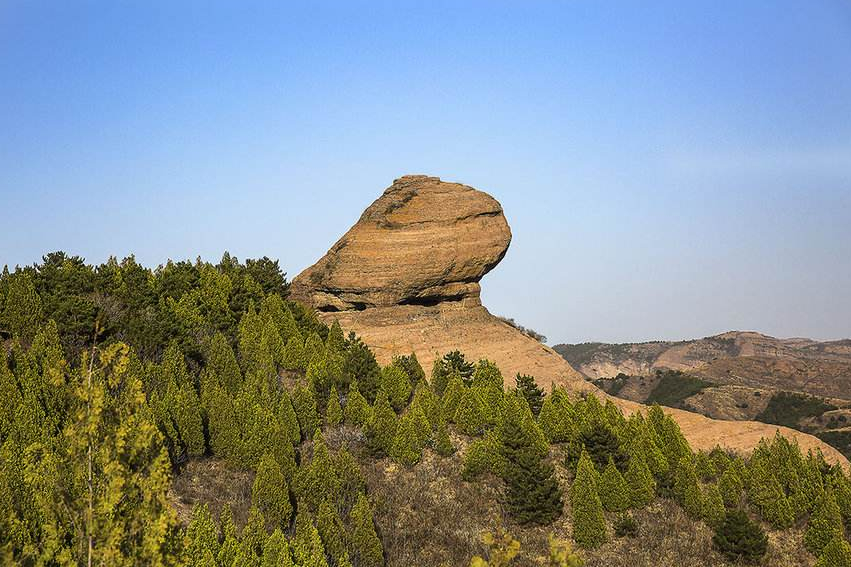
x=837, y=553
x=22, y=314
x=270, y=493
x=731, y=487
x=314, y=348
x=739, y=538
x=254, y=535
x=613, y=490
x=442, y=443
x=363, y=541
x=319, y=479
x=294, y=354
x=276, y=552
x=483, y=455
x=288, y=418
x=380, y=430
x=686, y=489
x=427, y=401
x=452, y=395
x=642, y=486
x=487, y=373
x=769, y=498
x=357, y=410
x=407, y=446
x=359, y=364
x=530, y=390
x=333, y=412
x=412, y=368
x=254, y=356
x=589, y=526
x=272, y=343
x=331, y=530
x=202, y=536
x=825, y=523
x=336, y=342
x=352, y=481
x=469, y=417
x=556, y=418
x=221, y=361
x=304, y=404
x=713, y=507
x=439, y=376
x=395, y=382
x=230, y=539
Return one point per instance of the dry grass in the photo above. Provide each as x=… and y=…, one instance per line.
x=211, y=481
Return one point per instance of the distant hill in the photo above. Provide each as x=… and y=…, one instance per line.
x=738, y=375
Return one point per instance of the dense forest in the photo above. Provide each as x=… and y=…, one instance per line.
x=115, y=378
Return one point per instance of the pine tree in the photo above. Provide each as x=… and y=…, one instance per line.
x=642, y=486
x=469, y=417
x=363, y=541
x=318, y=480
x=294, y=355
x=825, y=523
x=613, y=490
x=534, y=495
x=288, y=419
x=352, y=481
x=357, y=410
x=439, y=376
x=270, y=493
x=768, y=496
x=202, y=536
x=359, y=364
x=442, y=443
x=254, y=535
x=333, y=412
x=412, y=368
x=272, y=343
x=837, y=553
x=276, y=552
x=739, y=538
x=427, y=401
x=589, y=526
x=452, y=395
x=731, y=487
x=304, y=404
x=557, y=418
x=686, y=489
x=22, y=314
x=221, y=361
x=483, y=455
x=314, y=349
x=336, y=342
x=230, y=539
x=530, y=390
x=487, y=373
x=395, y=382
x=331, y=530
x=407, y=446
x=380, y=430
x=713, y=507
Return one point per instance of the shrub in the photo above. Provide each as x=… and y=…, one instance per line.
x=740, y=539
x=626, y=526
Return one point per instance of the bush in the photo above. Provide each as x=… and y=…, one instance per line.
x=674, y=387
x=626, y=526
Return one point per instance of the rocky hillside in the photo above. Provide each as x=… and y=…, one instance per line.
x=406, y=277
x=797, y=382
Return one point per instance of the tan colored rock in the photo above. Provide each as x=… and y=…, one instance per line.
x=424, y=241
x=405, y=279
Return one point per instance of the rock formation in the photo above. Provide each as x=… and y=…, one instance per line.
x=406, y=278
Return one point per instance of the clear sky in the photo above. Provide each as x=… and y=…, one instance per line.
x=669, y=169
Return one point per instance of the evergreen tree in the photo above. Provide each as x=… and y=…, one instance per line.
x=530, y=390
x=270, y=493
x=713, y=507
x=22, y=314
x=589, y=526
x=407, y=448
x=395, y=382
x=442, y=443
x=294, y=355
x=825, y=523
x=380, y=430
x=837, y=553
x=276, y=552
x=336, y=342
x=557, y=418
x=314, y=349
x=731, y=487
x=331, y=530
x=352, y=481
x=288, y=419
x=686, y=489
x=613, y=490
x=768, y=496
x=455, y=361
x=483, y=455
x=426, y=400
x=221, y=361
x=230, y=539
x=319, y=479
x=411, y=366
x=469, y=417
x=254, y=536
x=357, y=410
x=642, y=486
x=202, y=536
x=363, y=541
x=487, y=373
x=304, y=404
x=333, y=412
x=439, y=376
x=272, y=343
x=359, y=364
x=739, y=538
x=452, y=395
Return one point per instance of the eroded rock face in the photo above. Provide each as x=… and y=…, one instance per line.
x=423, y=242
x=405, y=279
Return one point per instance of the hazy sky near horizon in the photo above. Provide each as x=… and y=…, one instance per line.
x=669, y=169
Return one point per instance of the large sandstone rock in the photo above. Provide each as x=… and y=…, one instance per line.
x=406, y=277
x=422, y=242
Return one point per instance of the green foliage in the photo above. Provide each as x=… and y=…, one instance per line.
x=789, y=408
x=359, y=364
x=357, y=410
x=270, y=493
x=331, y=530
x=837, y=553
x=22, y=313
x=395, y=382
x=602, y=445
x=529, y=389
x=294, y=354
x=318, y=480
x=589, y=526
x=713, y=512
x=731, y=486
x=470, y=417
x=674, y=387
x=333, y=411
x=364, y=544
x=304, y=404
x=412, y=368
x=561, y=553
x=613, y=490
x=452, y=395
x=825, y=523
x=740, y=539
x=557, y=417
x=380, y=430
x=639, y=479
x=202, y=536
x=407, y=446
x=686, y=489
x=483, y=456
x=442, y=443
x=502, y=549
x=486, y=373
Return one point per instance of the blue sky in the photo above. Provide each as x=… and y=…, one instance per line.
x=669, y=169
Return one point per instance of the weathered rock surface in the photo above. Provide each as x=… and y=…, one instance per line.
x=424, y=241
x=406, y=277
